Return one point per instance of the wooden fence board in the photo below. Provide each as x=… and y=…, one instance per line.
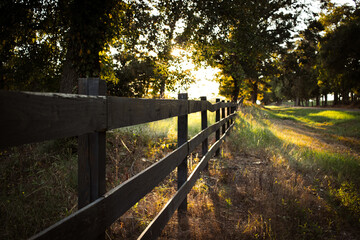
x=34, y=117
x=182, y=137
x=218, y=105
x=197, y=106
x=91, y=220
x=131, y=111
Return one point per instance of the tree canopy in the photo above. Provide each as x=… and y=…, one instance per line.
x=48, y=45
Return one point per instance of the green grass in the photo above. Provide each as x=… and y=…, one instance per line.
x=256, y=131
x=38, y=186
x=167, y=128
x=341, y=122
x=320, y=144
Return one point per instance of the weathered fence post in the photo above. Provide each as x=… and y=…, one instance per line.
x=91, y=152
x=223, y=116
x=182, y=138
x=217, y=134
x=204, y=124
x=228, y=114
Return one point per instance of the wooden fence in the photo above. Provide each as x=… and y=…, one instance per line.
x=33, y=117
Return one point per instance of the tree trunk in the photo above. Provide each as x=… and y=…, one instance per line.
x=69, y=77
x=254, y=93
x=325, y=102
x=162, y=89
x=336, y=98
x=236, y=90
x=317, y=101
x=85, y=39
x=345, y=97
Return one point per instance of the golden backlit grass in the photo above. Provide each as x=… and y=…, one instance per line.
x=276, y=179
x=311, y=142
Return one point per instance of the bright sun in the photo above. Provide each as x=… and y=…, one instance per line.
x=205, y=84
x=177, y=52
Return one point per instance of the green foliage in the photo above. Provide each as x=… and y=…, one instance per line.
x=133, y=79
x=339, y=52
x=29, y=51
x=239, y=37
x=333, y=120
x=47, y=46
x=145, y=65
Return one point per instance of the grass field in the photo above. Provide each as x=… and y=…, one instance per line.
x=284, y=173
x=315, y=155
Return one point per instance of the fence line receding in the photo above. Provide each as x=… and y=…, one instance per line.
x=33, y=117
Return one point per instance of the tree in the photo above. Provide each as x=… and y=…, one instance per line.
x=240, y=37
x=340, y=52
x=88, y=30
x=48, y=45
x=29, y=51
x=307, y=53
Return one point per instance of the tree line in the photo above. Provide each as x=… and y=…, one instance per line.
x=47, y=45
x=325, y=59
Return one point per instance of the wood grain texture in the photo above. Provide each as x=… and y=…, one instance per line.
x=131, y=111
x=92, y=151
x=218, y=105
x=34, y=117
x=197, y=106
x=223, y=116
x=204, y=125
x=182, y=136
x=217, y=119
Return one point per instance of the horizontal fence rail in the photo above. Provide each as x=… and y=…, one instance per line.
x=120, y=199
x=33, y=117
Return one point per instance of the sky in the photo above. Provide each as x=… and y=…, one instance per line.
x=204, y=77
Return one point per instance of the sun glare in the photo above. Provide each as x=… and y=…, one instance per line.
x=205, y=84
x=177, y=52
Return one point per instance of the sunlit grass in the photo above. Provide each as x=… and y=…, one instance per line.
x=330, y=120
x=305, y=146
x=333, y=115
x=167, y=128
x=300, y=144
